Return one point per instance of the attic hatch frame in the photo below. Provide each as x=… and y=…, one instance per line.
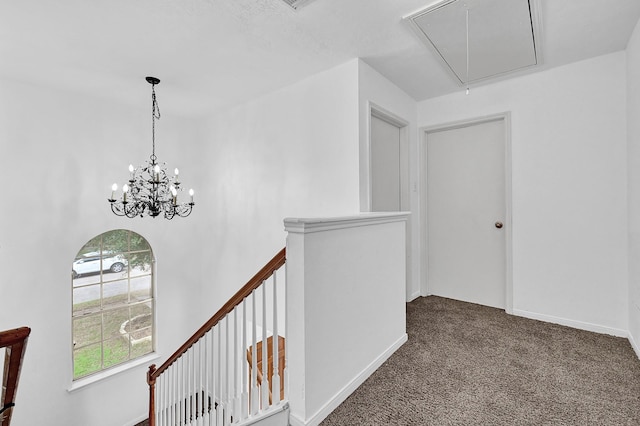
x=536, y=29
x=296, y=4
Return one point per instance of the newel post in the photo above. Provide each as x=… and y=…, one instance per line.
x=152, y=394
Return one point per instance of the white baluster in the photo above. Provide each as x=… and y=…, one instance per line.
x=255, y=396
x=187, y=387
x=199, y=384
x=194, y=384
x=221, y=406
x=265, y=362
x=213, y=420
x=244, y=399
x=181, y=407
x=275, y=381
x=168, y=374
x=169, y=400
x=204, y=374
x=181, y=400
x=174, y=391
x=201, y=380
x=200, y=387
x=227, y=399
x=165, y=398
x=191, y=390
x=205, y=379
x=190, y=395
x=159, y=399
x=205, y=385
x=184, y=399
x=169, y=390
x=236, y=399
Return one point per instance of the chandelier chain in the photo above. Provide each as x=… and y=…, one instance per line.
x=155, y=115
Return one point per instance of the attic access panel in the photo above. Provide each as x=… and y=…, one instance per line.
x=501, y=36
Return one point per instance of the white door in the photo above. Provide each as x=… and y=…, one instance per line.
x=385, y=166
x=466, y=213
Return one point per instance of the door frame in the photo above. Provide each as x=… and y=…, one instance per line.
x=424, y=237
x=366, y=190
x=403, y=125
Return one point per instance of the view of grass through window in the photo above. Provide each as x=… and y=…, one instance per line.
x=112, y=284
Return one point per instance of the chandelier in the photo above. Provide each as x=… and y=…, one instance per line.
x=149, y=190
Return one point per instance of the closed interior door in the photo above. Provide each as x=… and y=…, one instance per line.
x=385, y=166
x=465, y=181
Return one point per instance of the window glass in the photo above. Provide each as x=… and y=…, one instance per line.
x=113, y=307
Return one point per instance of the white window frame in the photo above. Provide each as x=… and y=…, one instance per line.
x=108, y=371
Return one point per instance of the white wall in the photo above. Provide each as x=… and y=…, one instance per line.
x=293, y=152
x=569, y=187
x=59, y=154
x=375, y=90
x=346, y=306
x=633, y=129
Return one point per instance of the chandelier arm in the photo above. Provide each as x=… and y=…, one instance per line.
x=184, y=210
x=115, y=208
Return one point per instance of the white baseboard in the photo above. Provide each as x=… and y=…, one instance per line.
x=295, y=420
x=634, y=345
x=138, y=420
x=344, y=393
x=274, y=416
x=596, y=328
x=413, y=296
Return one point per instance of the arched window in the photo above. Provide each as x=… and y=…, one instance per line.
x=113, y=307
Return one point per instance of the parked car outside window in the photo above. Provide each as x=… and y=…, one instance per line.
x=93, y=263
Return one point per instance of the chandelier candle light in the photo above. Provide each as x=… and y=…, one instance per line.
x=150, y=191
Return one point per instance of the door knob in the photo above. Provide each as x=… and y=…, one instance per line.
x=499, y=225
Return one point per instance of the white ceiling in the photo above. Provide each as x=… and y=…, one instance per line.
x=215, y=53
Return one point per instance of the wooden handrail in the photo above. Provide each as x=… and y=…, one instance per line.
x=268, y=270
x=16, y=342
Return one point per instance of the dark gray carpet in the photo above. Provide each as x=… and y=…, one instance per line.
x=466, y=364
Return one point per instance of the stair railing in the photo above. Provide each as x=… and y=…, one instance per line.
x=15, y=343
x=208, y=379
